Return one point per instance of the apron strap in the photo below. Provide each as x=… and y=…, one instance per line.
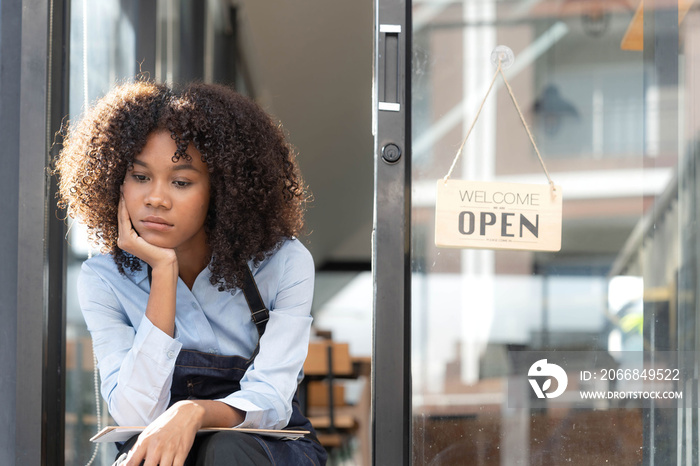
x=259, y=314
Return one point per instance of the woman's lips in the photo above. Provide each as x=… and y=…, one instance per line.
x=156, y=223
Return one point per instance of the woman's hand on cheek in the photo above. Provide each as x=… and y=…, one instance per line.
x=167, y=440
x=130, y=241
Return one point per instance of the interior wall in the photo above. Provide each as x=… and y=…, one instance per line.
x=311, y=67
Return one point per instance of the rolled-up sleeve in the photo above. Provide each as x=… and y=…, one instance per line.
x=269, y=384
x=136, y=364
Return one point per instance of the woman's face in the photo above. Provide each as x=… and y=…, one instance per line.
x=168, y=201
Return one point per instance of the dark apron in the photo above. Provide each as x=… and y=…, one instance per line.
x=204, y=376
x=207, y=376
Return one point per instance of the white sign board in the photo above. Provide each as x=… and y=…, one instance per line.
x=483, y=215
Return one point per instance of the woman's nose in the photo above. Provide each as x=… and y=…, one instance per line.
x=157, y=196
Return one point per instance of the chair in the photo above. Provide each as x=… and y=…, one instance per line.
x=323, y=398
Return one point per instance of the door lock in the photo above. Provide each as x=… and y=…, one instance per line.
x=391, y=153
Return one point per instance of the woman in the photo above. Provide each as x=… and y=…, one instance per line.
x=196, y=199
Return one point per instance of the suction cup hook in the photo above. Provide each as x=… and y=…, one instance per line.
x=505, y=54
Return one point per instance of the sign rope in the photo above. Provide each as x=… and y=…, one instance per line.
x=499, y=70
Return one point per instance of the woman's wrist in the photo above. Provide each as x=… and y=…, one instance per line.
x=167, y=266
x=192, y=411
x=213, y=413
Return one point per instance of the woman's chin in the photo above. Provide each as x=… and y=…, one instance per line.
x=156, y=239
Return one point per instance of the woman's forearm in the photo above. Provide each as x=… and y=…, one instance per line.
x=210, y=413
x=160, y=309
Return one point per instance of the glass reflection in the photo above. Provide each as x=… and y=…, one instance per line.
x=616, y=126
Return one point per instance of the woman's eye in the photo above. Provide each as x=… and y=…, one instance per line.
x=181, y=184
x=139, y=177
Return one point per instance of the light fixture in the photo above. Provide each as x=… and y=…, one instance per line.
x=552, y=109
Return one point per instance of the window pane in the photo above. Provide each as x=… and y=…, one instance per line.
x=617, y=128
x=103, y=38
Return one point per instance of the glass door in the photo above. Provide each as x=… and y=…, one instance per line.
x=113, y=41
x=610, y=93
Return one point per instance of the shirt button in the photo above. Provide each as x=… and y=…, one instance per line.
x=194, y=305
x=171, y=354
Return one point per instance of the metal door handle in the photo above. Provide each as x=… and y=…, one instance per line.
x=389, y=67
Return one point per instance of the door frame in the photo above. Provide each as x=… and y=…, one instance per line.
x=391, y=236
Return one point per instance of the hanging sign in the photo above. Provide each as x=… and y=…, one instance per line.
x=484, y=215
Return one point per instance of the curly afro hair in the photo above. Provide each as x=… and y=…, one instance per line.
x=257, y=194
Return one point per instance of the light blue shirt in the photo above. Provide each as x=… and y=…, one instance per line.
x=136, y=359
